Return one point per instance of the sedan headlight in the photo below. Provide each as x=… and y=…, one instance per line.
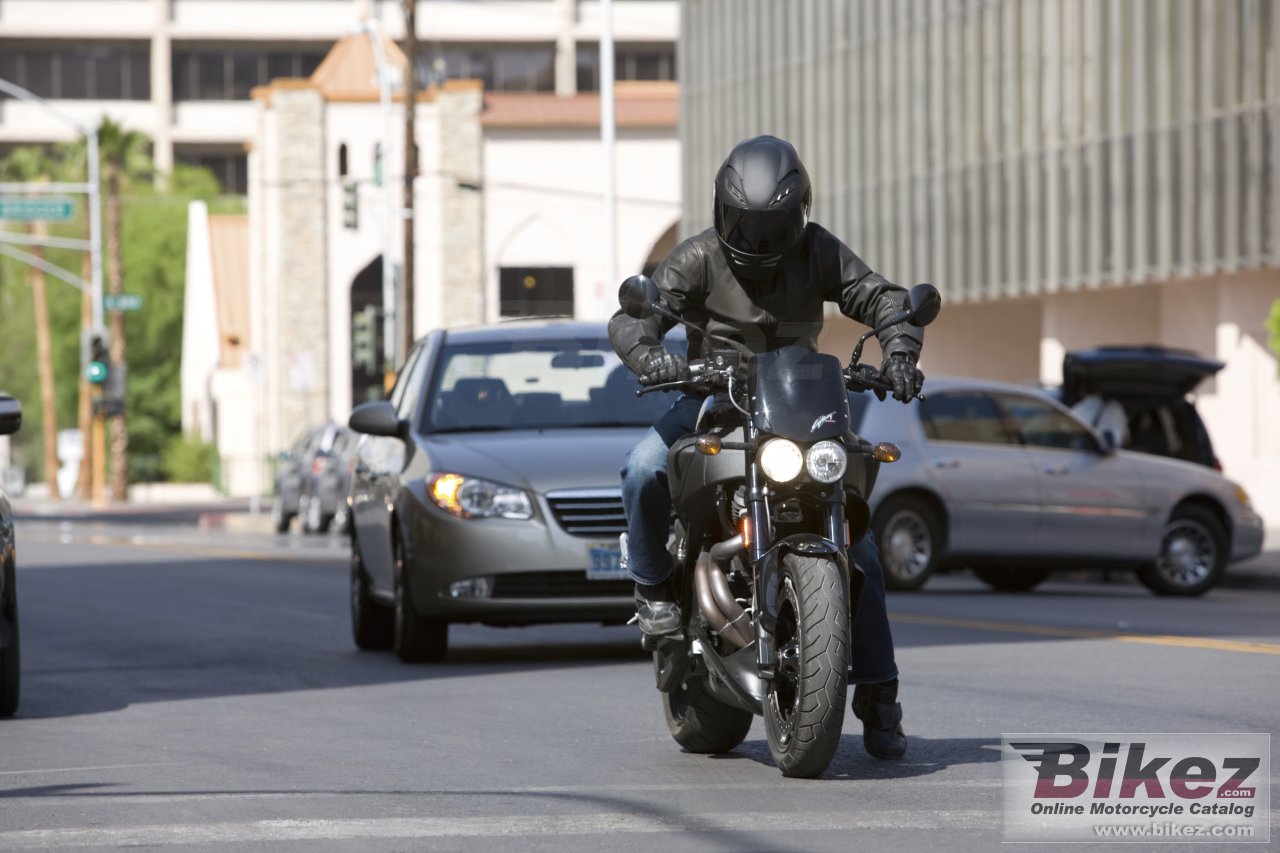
x=781, y=460
x=826, y=461
x=471, y=497
x=1242, y=496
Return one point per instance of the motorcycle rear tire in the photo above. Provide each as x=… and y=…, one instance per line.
x=805, y=702
x=700, y=722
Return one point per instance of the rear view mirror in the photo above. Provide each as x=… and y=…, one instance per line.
x=10, y=415
x=924, y=302
x=637, y=296
x=376, y=418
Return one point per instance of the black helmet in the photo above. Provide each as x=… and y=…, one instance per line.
x=762, y=204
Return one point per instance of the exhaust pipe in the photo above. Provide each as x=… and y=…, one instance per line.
x=715, y=599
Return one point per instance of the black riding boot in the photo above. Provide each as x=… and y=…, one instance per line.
x=657, y=613
x=881, y=714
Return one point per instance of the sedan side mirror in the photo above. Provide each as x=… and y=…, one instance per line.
x=377, y=417
x=924, y=302
x=10, y=415
x=637, y=296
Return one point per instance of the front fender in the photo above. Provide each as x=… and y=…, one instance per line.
x=769, y=573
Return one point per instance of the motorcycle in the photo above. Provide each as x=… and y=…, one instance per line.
x=768, y=491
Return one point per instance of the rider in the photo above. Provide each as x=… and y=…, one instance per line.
x=761, y=276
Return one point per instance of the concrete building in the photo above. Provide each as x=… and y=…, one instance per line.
x=181, y=71
x=1069, y=173
x=508, y=213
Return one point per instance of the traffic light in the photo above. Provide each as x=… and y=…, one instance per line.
x=366, y=340
x=96, y=356
x=350, y=206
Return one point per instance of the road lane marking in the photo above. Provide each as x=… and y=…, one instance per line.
x=186, y=549
x=1090, y=634
x=78, y=769
x=98, y=797
x=493, y=826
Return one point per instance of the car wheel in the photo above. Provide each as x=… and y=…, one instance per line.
x=372, y=625
x=1008, y=579
x=279, y=518
x=417, y=639
x=1193, y=554
x=908, y=534
x=10, y=655
x=315, y=519
x=342, y=519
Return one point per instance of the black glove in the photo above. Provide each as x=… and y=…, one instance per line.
x=660, y=366
x=900, y=371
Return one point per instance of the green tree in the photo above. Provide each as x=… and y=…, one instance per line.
x=126, y=158
x=153, y=253
x=30, y=164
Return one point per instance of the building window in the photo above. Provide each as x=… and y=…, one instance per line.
x=67, y=71
x=342, y=160
x=630, y=62
x=535, y=292
x=502, y=68
x=213, y=73
x=229, y=166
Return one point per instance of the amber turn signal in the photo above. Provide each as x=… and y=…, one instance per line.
x=708, y=445
x=887, y=452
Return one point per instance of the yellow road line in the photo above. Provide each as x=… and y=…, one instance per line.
x=1088, y=634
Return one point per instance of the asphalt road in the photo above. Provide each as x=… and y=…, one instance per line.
x=199, y=690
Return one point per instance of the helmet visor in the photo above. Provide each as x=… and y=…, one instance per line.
x=760, y=232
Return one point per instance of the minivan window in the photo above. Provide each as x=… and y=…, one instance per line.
x=964, y=416
x=1039, y=424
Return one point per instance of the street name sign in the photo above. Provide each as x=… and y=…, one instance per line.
x=36, y=209
x=122, y=301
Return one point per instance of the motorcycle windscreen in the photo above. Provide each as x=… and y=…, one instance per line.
x=799, y=394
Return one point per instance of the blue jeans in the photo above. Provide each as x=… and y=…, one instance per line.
x=647, y=501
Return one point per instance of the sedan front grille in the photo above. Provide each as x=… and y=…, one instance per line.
x=589, y=513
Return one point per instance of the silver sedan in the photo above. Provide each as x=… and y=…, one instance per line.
x=486, y=488
x=1005, y=480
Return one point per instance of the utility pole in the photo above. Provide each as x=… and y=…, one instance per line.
x=410, y=167
x=44, y=357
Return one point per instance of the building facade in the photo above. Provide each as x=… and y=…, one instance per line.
x=1068, y=172
x=507, y=221
x=181, y=71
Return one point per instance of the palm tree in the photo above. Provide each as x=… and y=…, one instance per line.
x=28, y=165
x=126, y=157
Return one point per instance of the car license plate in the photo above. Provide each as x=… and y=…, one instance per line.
x=604, y=562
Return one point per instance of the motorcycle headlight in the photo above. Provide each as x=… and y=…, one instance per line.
x=826, y=461
x=471, y=497
x=781, y=460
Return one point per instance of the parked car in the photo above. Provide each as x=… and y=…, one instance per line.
x=1152, y=383
x=327, y=482
x=10, y=651
x=1004, y=479
x=295, y=468
x=486, y=489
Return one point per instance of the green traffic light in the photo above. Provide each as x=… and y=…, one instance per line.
x=96, y=372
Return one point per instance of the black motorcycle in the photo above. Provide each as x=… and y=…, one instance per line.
x=769, y=490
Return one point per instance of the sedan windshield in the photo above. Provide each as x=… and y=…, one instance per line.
x=559, y=384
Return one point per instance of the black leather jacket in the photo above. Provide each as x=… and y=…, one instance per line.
x=696, y=283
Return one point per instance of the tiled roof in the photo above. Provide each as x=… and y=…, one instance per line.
x=641, y=104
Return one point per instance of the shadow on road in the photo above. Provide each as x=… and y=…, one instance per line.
x=925, y=756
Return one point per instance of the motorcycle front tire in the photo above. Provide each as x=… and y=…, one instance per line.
x=805, y=701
